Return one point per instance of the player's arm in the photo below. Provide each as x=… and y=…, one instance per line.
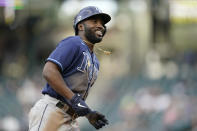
x=54, y=78
x=51, y=73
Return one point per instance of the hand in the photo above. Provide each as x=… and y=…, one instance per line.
x=97, y=119
x=79, y=106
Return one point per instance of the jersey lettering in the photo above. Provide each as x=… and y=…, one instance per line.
x=84, y=63
x=88, y=67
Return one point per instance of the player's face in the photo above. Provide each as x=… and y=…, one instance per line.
x=94, y=29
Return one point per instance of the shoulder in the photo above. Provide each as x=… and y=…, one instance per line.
x=72, y=41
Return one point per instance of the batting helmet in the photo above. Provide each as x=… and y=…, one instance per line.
x=88, y=12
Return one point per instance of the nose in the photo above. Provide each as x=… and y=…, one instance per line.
x=100, y=25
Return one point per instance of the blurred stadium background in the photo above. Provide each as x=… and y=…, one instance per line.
x=148, y=83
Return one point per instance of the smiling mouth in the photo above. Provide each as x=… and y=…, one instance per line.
x=99, y=33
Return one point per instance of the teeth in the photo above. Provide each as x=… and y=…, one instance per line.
x=99, y=33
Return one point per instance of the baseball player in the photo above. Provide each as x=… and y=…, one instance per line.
x=70, y=71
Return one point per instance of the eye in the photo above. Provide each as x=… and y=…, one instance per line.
x=94, y=21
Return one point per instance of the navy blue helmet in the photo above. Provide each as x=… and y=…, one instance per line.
x=88, y=12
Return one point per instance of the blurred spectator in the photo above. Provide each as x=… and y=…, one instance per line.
x=160, y=20
x=9, y=123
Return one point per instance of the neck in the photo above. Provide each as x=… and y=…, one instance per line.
x=89, y=44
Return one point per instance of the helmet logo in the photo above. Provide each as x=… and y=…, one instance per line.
x=98, y=10
x=79, y=18
x=88, y=12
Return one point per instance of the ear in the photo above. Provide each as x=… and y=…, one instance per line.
x=80, y=27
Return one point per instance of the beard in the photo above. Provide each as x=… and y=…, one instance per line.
x=91, y=36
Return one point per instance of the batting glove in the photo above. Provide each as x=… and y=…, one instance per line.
x=97, y=119
x=79, y=106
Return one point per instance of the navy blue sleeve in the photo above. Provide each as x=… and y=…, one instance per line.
x=64, y=54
